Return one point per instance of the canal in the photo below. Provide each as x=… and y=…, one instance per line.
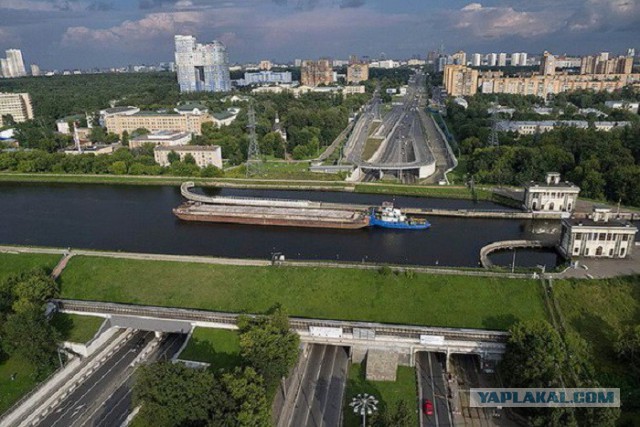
x=139, y=219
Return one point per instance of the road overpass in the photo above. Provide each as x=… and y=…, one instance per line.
x=404, y=150
x=406, y=340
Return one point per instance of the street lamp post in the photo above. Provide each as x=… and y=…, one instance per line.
x=363, y=405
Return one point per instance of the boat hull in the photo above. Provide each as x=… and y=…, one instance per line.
x=281, y=222
x=375, y=222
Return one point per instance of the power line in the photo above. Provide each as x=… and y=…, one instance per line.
x=253, y=154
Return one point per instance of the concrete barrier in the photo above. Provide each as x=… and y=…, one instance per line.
x=509, y=244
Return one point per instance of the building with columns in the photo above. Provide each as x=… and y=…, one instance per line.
x=599, y=236
x=552, y=195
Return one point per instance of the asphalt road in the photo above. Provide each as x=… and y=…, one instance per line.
x=72, y=409
x=432, y=386
x=117, y=407
x=319, y=400
x=104, y=399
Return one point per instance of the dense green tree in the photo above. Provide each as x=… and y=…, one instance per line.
x=268, y=345
x=534, y=355
x=28, y=335
x=173, y=157
x=172, y=394
x=398, y=416
x=118, y=168
x=246, y=401
x=627, y=346
x=125, y=139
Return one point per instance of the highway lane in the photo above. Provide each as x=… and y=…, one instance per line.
x=117, y=407
x=318, y=402
x=432, y=386
x=71, y=410
x=104, y=399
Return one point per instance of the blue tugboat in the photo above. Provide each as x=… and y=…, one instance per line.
x=390, y=217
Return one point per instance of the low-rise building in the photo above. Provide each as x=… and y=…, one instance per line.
x=623, y=105
x=597, y=237
x=122, y=111
x=532, y=127
x=552, y=195
x=265, y=77
x=97, y=149
x=204, y=155
x=62, y=125
x=17, y=105
x=154, y=122
x=353, y=89
x=225, y=118
x=163, y=138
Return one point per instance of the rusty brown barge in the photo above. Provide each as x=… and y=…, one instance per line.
x=278, y=212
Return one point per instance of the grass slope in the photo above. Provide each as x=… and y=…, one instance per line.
x=596, y=310
x=220, y=347
x=76, y=327
x=17, y=263
x=421, y=299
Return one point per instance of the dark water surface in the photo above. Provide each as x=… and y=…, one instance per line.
x=139, y=219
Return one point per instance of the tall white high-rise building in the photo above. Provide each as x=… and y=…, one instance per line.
x=35, y=70
x=476, y=60
x=16, y=63
x=492, y=59
x=515, y=59
x=201, y=67
x=523, y=58
x=4, y=68
x=12, y=65
x=502, y=60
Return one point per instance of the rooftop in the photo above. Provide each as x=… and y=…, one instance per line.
x=165, y=135
x=189, y=148
x=191, y=107
x=115, y=110
x=561, y=184
x=223, y=115
x=588, y=222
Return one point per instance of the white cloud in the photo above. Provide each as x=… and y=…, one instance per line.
x=503, y=21
x=150, y=27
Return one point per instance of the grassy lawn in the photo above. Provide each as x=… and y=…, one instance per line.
x=370, y=147
x=12, y=390
x=596, y=309
x=283, y=170
x=421, y=299
x=76, y=327
x=16, y=263
x=388, y=393
x=220, y=347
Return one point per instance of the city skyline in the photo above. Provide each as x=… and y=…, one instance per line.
x=101, y=33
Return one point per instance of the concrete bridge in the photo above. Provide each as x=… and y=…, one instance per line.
x=361, y=337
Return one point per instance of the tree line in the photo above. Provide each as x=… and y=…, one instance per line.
x=25, y=331
x=538, y=356
x=605, y=165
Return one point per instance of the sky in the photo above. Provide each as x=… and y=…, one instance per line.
x=67, y=34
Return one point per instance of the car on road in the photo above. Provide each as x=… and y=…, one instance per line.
x=427, y=407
